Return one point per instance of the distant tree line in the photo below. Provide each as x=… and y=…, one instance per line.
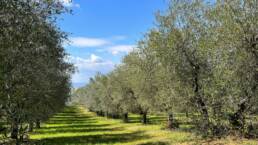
x=34, y=76
x=201, y=58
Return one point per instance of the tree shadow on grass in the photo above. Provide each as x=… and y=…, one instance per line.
x=70, y=119
x=78, y=130
x=76, y=126
x=155, y=143
x=84, y=129
x=72, y=122
x=150, y=119
x=94, y=139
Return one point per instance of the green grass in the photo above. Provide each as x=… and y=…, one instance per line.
x=76, y=126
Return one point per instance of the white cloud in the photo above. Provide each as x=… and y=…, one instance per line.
x=88, y=42
x=69, y=3
x=87, y=67
x=95, y=59
x=121, y=49
x=91, y=63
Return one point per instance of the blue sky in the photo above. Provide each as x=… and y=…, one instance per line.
x=101, y=32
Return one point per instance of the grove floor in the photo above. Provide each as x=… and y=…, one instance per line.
x=77, y=126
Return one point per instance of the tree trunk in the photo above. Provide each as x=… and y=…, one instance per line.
x=144, y=117
x=199, y=100
x=170, y=121
x=100, y=113
x=37, y=123
x=187, y=114
x=31, y=126
x=238, y=118
x=125, y=117
x=114, y=115
x=204, y=112
x=14, y=130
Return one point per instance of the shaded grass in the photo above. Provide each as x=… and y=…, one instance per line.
x=76, y=126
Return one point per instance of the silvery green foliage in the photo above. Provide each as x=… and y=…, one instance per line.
x=201, y=58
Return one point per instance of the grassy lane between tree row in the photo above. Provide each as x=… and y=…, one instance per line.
x=77, y=126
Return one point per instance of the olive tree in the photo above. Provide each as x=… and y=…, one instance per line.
x=33, y=68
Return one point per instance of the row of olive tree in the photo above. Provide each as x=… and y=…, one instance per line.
x=201, y=58
x=34, y=76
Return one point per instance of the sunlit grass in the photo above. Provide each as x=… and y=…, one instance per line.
x=76, y=126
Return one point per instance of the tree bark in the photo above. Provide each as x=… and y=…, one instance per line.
x=116, y=116
x=14, y=130
x=187, y=114
x=31, y=126
x=125, y=117
x=170, y=121
x=199, y=100
x=238, y=118
x=144, y=117
x=37, y=123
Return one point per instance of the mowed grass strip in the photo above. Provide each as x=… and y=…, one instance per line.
x=77, y=126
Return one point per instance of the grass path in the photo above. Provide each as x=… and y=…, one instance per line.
x=75, y=126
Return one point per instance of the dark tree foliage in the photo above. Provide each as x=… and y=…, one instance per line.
x=34, y=76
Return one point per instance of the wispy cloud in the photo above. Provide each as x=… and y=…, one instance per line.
x=84, y=42
x=116, y=49
x=69, y=3
x=108, y=47
x=88, y=42
x=87, y=67
x=91, y=63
